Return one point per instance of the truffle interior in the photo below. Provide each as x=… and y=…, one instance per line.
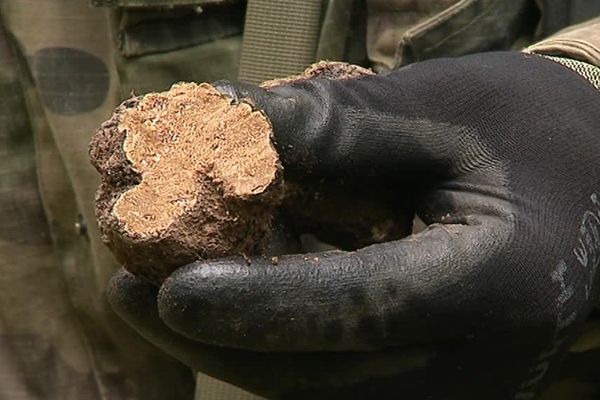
x=174, y=138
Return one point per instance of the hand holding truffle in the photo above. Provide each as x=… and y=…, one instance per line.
x=500, y=155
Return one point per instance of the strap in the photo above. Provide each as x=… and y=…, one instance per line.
x=280, y=38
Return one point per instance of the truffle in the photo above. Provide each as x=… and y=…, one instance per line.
x=185, y=174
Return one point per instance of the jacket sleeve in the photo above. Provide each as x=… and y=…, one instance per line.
x=579, y=42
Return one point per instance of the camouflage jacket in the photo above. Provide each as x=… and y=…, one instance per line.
x=65, y=65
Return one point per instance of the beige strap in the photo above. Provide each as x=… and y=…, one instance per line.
x=208, y=388
x=280, y=38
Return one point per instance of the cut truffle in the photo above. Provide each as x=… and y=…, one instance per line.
x=188, y=175
x=185, y=175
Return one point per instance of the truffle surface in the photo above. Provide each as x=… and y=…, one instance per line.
x=185, y=175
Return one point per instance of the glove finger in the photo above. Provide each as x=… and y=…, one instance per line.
x=390, y=294
x=375, y=127
x=280, y=375
x=134, y=300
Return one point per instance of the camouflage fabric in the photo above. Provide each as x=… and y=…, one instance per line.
x=401, y=32
x=64, y=66
x=60, y=77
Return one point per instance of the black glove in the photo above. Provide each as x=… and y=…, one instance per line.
x=503, y=153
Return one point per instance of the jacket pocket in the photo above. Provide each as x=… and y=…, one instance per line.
x=150, y=29
x=157, y=45
x=466, y=26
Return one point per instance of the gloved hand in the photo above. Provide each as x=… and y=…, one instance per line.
x=503, y=153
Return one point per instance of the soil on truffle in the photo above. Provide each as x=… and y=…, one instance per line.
x=334, y=70
x=185, y=175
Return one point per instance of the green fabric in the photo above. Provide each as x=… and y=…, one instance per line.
x=155, y=51
x=280, y=38
x=32, y=315
x=204, y=63
x=335, y=30
x=475, y=26
x=143, y=31
x=59, y=339
x=212, y=389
